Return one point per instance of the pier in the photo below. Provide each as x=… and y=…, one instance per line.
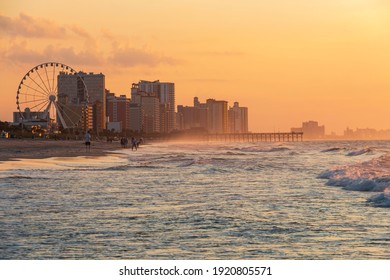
x=229, y=137
x=256, y=137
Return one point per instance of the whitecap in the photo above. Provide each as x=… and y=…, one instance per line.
x=372, y=175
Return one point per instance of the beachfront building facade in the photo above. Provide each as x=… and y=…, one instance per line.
x=211, y=116
x=237, y=119
x=30, y=118
x=200, y=114
x=165, y=92
x=118, y=111
x=311, y=130
x=217, y=116
x=71, y=92
x=136, y=117
x=95, y=84
x=27, y=115
x=193, y=117
x=185, y=117
x=87, y=118
x=150, y=105
x=145, y=112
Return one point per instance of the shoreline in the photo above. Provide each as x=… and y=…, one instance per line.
x=17, y=149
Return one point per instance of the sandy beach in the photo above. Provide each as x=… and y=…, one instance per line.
x=13, y=149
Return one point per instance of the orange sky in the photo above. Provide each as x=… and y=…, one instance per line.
x=288, y=61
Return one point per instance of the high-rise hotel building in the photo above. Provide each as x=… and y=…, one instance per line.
x=70, y=91
x=118, y=110
x=165, y=92
x=238, y=119
x=217, y=116
x=211, y=116
x=95, y=84
x=192, y=117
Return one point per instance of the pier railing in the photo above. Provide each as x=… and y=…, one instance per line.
x=256, y=137
x=230, y=137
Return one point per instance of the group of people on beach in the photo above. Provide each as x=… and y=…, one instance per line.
x=134, y=142
x=124, y=142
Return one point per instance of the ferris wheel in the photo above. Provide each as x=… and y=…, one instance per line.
x=55, y=93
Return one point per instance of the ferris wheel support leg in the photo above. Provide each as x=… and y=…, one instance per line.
x=60, y=115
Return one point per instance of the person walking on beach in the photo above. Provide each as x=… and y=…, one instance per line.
x=133, y=143
x=87, y=139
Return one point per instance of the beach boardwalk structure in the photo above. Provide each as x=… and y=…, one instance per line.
x=256, y=137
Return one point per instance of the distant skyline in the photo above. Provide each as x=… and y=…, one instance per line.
x=287, y=61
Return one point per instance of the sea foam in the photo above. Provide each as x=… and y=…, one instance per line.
x=368, y=176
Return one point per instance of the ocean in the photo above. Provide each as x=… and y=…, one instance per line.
x=294, y=200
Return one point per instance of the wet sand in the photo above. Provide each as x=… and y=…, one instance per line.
x=14, y=149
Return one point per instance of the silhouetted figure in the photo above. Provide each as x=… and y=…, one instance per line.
x=134, y=143
x=87, y=140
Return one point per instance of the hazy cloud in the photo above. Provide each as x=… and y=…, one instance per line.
x=107, y=34
x=20, y=54
x=27, y=26
x=130, y=57
x=123, y=58
x=73, y=57
x=80, y=31
x=21, y=48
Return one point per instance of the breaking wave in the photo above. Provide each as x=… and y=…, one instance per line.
x=368, y=176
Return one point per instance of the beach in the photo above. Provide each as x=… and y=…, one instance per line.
x=14, y=149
